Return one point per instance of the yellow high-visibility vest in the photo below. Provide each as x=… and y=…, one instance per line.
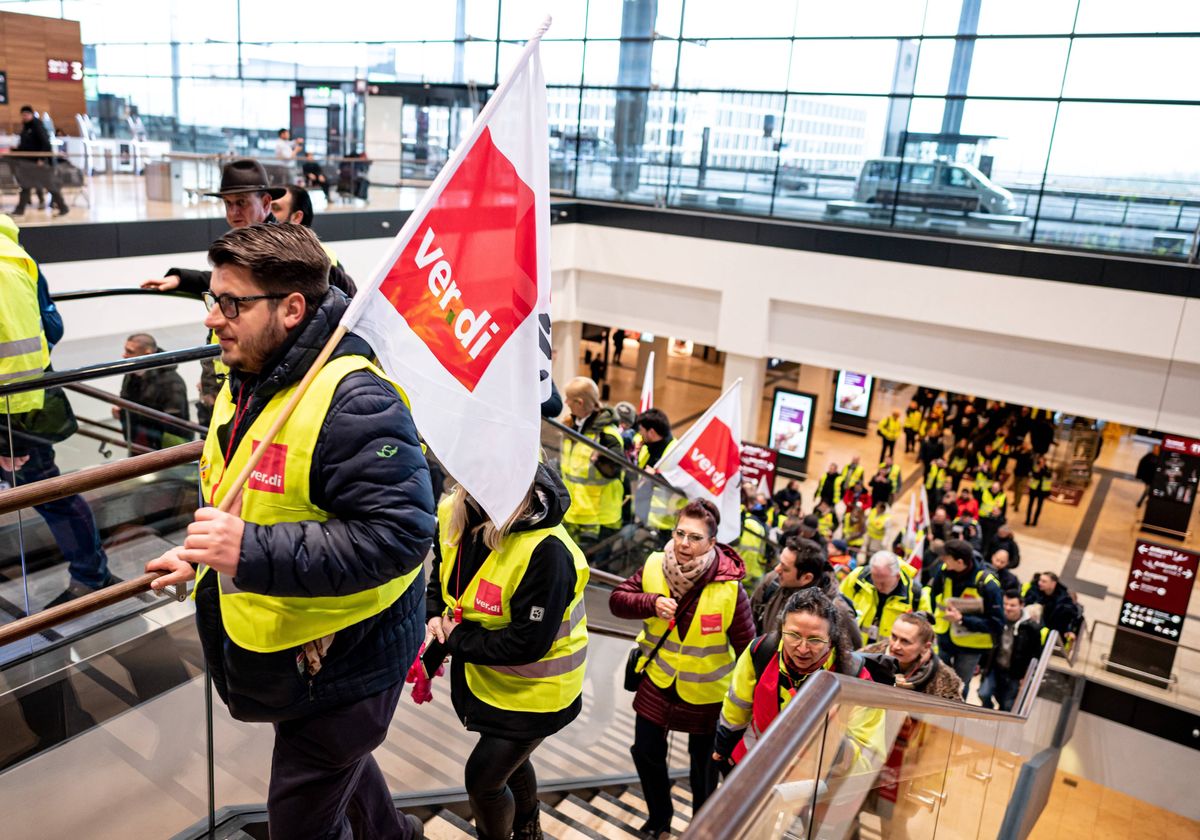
x=24, y=353
x=701, y=663
x=553, y=682
x=278, y=491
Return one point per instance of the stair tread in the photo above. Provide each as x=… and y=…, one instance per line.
x=633, y=798
x=446, y=825
x=609, y=825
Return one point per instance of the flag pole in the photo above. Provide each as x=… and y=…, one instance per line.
x=350, y=316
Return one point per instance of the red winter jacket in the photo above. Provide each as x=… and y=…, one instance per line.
x=664, y=707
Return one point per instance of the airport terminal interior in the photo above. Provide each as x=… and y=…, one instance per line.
x=941, y=253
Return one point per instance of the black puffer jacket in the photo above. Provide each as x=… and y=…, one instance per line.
x=549, y=583
x=381, y=526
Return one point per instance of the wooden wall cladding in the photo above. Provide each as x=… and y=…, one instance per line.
x=26, y=42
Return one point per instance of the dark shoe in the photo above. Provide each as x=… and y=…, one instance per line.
x=63, y=210
x=417, y=827
x=78, y=590
x=531, y=830
x=18, y=210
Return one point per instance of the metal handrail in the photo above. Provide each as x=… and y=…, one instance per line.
x=91, y=294
x=55, y=378
x=137, y=408
x=739, y=799
x=91, y=478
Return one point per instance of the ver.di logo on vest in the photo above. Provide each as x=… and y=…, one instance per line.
x=467, y=279
x=268, y=476
x=489, y=598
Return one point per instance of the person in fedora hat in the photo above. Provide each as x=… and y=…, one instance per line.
x=247, y=195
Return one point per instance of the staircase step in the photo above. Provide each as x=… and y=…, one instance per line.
x=608, y=825
x=562, y=827
x=447, y=825
x=633, y=798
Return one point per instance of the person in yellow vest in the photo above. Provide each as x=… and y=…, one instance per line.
x=877, y=525
x=309, y=594
x=892, y=469
x=826, y=522
x=968, y=609
x=295, y=207
x=993, y=505
x=936, y=477
x=889, y=431
x=654, y=428
x=957, y=462
x=1040, y=481
x=829, y=486
x=854, y=532
x=852, y=473
x=593, y=479
x=696, y=620
x=506, y=603
x=774, y=667
x=912, y=427
x=752, y=547
x=26, y=454
x=881, y=590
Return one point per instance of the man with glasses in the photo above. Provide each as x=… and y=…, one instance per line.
x=309, y=600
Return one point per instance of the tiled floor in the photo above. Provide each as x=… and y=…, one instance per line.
x=693, y=383
x=1081, y=809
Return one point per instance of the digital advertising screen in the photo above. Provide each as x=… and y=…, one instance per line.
x=852, y=394
x=792, y=416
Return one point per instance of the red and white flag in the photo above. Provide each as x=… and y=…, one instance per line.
x=707, y=462
x=458, y=309
x=647, y=402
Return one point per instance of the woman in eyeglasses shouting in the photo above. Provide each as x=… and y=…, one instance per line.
x=690, y=598
x=774, y=667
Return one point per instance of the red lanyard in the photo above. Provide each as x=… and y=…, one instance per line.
x=458, y=584
x=239, y=412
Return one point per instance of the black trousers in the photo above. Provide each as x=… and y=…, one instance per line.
x=501, y=785
x=888, y=448
x=649, y=753
x=324, y=782
x=1034, y=508
x=910, y=440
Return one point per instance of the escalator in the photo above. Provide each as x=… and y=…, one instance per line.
x=112, y=730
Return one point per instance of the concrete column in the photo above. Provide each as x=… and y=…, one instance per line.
x=565, y=338
x=819, y=381
x=659, y=345
x=753, y=372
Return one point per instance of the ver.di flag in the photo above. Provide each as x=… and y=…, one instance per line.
x=458, y=309
x=707, y=462
x=647, y=402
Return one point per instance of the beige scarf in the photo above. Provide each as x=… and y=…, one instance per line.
x=682, y=576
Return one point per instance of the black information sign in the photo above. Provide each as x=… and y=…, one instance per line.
x=3, y=88
x=1173, y=490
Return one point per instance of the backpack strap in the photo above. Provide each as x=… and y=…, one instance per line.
x=762, y=651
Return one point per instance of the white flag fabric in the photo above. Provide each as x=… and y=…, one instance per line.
x=707, y=462
x=647, y=402
x=457, y=310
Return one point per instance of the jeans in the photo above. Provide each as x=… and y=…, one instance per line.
x=962, y=660
x=999, y=686
x=649, y=753
x=70, y=520
x=325, y=783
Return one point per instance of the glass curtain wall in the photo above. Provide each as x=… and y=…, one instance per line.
x=1059, y=122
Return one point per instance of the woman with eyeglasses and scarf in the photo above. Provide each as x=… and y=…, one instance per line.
x=689, y=596
x=775, y=666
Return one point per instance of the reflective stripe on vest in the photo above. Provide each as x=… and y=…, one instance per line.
x=24, y=353
x=551, y=683
x=936, y=478
x=277, y=492
x=595, y=498
x=701, y=663
x=962, y=637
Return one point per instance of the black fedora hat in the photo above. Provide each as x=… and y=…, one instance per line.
x=246, y=175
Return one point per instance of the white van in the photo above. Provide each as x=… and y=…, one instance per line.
x=932, y=185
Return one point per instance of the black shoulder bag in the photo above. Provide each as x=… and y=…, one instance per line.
x=633, y=677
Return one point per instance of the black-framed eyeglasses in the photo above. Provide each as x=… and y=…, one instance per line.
x=230, y=304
